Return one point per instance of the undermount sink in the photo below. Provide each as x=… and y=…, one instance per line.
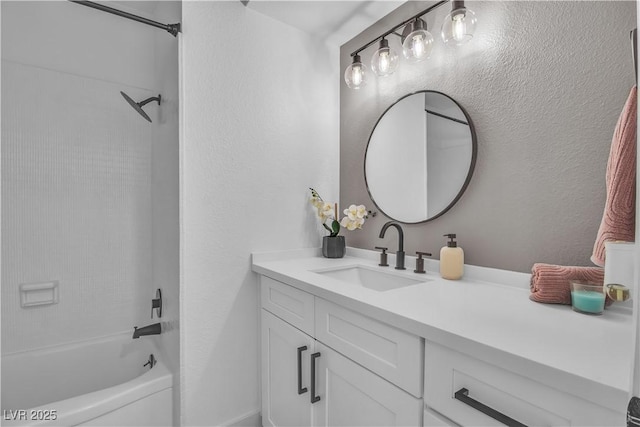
x=370, y=278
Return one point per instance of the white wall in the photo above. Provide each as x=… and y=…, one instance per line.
x=260, y=126
x=76, y=172
x=78, y=40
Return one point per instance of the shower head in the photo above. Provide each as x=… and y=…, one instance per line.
x=138, y=105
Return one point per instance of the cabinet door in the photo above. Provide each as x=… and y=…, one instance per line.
x=282, y=405
x=351, y=395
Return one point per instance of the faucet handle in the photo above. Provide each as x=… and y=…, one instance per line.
x=383, y=256
x=420, y=262
x=151, y=362
x=156, y=304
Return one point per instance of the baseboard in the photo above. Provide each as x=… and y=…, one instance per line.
x=250, y=419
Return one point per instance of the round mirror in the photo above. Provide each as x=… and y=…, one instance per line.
x=420, y=157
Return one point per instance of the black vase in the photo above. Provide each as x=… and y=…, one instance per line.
x=333, y=247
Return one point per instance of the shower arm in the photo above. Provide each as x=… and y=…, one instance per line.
x=148, y=100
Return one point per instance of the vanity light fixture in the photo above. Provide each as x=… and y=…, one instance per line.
x=458, y=26
x=356, y=74
x=417, y=42
x=385, y=60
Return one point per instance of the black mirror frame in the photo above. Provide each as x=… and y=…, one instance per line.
x=474, y=155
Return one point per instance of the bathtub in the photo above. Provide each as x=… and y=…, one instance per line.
x=100, y=382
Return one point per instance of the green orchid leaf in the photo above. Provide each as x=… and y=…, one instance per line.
x=336, y=228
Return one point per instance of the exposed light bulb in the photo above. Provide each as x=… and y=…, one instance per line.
x=385, y=60
x=418, y=43
x=458, y=26
x=355, y=76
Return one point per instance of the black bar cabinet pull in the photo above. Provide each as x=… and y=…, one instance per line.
x=300, y=389
x=314, y=398
x=463, y=396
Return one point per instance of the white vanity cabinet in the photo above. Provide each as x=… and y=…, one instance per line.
x=439, y=353
x=307, y=383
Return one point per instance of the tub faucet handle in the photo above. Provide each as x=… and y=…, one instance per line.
x=157, y=304
x=151, y=362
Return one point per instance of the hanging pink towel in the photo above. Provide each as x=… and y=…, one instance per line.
x=618, y=220
x=550, y=283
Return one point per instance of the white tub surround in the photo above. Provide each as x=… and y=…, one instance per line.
x=542, y=363
x=94, y=382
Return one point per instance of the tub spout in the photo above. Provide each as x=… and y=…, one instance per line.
x=154, y=329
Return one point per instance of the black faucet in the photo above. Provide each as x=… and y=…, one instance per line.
x=154, y=329
x=400, y=252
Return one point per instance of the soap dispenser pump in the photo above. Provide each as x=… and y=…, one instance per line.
x=451, y=259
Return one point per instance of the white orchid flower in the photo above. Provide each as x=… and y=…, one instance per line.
x=352, y=224
x=348, y=224
x=351, y=212
x=356, y=212
x=354, y=215
x=325, y=210
x=317, y=203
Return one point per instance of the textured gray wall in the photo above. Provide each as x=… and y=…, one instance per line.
x=544, y=83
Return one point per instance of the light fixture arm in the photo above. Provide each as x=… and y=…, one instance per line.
x=405, y=22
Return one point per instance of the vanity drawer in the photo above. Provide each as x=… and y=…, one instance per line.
x=389, y=352
x=288, y=303
x=522, y=399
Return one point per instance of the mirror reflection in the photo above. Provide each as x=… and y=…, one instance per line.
x=420, y=157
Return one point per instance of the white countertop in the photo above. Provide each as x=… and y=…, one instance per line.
x=486, y=313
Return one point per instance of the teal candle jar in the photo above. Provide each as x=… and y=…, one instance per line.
x=587, y=298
